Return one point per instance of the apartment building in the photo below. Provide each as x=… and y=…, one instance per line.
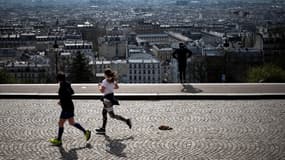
x=169, y=70
x=143, y=68
x=112, y=47
x=26, y=72
x=119, y=66
x=75, y=46
x=150, y=39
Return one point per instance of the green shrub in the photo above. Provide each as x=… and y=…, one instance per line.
x=5, y=77
x=266, y=73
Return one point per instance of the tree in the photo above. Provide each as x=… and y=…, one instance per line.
x=6, y=78
x=80, y=71
x=266, y=73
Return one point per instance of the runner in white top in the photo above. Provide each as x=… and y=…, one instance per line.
x=107, y=88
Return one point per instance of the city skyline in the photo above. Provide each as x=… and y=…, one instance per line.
x=228, y=39
x=140, y=2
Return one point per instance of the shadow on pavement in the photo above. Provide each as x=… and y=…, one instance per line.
x=116, y=147
x=72, y=154
x=187, y=88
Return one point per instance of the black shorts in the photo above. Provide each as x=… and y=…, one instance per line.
x=66, y=115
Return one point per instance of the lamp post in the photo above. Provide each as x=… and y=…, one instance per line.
x=55, y=47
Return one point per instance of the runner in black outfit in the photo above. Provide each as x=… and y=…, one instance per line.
x=65, y=93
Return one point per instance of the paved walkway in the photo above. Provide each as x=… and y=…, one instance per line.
x=202, y=129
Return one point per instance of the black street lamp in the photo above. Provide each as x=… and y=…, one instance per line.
x=55, y=47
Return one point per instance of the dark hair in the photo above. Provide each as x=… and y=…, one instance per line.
x=181, y=45
x=60, y=76
x=110, y=74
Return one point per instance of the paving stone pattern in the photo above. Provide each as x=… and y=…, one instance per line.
x=202, y=130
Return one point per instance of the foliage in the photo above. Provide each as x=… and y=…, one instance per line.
x=266, y=73
x=5, y=77
x=80, y=71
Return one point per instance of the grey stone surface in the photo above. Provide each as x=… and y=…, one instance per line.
x=202, y=129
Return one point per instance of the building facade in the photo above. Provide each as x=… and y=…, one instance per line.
x=112, y=47
x=144, y=71
x=25, y=72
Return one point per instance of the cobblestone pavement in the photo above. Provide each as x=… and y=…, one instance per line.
x=229, y=130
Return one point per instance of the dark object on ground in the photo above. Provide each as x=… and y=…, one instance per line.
x=163, y=127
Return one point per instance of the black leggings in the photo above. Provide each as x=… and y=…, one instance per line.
x=182, y=76
x=112, y=115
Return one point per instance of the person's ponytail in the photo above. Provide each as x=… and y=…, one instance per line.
x=111, y=76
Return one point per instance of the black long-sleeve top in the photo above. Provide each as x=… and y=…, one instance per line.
x=181, y=54
x=65, y=93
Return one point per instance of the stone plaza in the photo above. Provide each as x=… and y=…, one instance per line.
x=202, y=130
